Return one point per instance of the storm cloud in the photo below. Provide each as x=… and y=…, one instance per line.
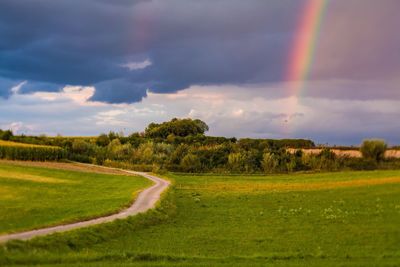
x=126, y=63
x=188, y=42
x=51, y=44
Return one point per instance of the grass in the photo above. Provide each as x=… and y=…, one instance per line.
x=242, y=220
x=33, y=197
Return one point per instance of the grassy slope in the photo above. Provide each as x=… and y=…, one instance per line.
x=242, y=224
x=33, y=197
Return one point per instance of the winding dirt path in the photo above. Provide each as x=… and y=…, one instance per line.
x=146, y=200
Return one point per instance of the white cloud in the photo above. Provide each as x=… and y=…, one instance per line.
x=77, y=94
x=15, y=89
x=229, y=110
x=137, y=65
x=18, y=127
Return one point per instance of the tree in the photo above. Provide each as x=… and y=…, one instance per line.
x=80, y=146
x=327, y=160
x=374, y=149
x=102, y=140
x=269, y=163
x=118, y=151
x=191, y=163
x=6, y=135
x=144, y=153
x=178, y=154
x=236, y=161
x=176, y=127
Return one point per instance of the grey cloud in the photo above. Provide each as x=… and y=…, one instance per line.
x=359, y=41
x=55, y=43
x=189, y=42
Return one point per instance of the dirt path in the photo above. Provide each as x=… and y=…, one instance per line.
x=145, y=201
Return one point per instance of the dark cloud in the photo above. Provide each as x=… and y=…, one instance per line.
x=5, y=86
x=188, y=42
x=55, y=43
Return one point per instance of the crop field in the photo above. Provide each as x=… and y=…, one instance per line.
x=20, y=151
x=16, y=144
x=329, y=219
x=33, y=197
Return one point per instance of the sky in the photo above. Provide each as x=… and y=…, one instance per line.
x=327, y=70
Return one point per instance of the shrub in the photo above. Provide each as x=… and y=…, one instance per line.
x=191, y=163
x=6, y=135
x=80, y=146
x=374, y=149
x=360, y=164
x=144, y=153
x=102, y=140
x=328, y=160
x=236, y=162
x=269, y=163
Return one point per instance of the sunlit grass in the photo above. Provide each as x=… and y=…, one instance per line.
x=33, y=197
x=7, y=174
x=254, y=226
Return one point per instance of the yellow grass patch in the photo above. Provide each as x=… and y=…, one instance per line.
x=287, y=187
x=79, y=167
x=15, y=144
x=32, y=178
x=7, y=192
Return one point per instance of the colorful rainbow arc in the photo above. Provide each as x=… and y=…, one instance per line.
x=302, y=55
x=306, y=40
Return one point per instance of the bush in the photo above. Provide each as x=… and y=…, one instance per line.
x=102, y=140
x=6, y=135
x=191, y=163
x=128, y=166
x=361, y=164
x=33, y=153
x=328, y=160
x=80, y=147
x=269, y=163
x=374, y=149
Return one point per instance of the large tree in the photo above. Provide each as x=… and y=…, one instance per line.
x=177, y=127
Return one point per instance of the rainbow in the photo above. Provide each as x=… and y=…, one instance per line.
x=302, y=55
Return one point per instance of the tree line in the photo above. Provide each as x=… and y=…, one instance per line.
x=181, y=145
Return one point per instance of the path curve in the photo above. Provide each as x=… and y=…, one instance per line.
x=146, y=200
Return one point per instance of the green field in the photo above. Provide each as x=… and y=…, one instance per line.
x=332, y=219
x=33, y=197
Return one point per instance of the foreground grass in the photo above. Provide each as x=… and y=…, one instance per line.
x=33, y=197
x=243, y=220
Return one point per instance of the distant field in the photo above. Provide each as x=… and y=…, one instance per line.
x=32, y=196
x=15, y=144
x=330, y=219
x=348, y=152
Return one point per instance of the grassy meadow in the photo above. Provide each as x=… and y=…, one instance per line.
x=327, y=219
x=32, y=197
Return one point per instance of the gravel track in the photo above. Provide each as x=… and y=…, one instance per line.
x=146, y=200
